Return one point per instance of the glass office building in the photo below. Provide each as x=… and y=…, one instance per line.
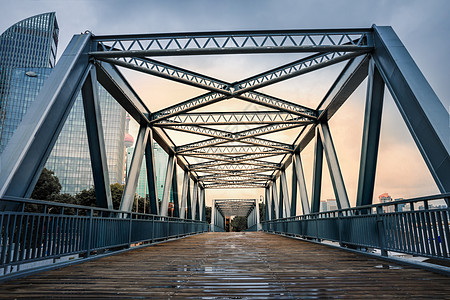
x=70, y=158
x=27, y=56
x=161, y=158
x=27, y=52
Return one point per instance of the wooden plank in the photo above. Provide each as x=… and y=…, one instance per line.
x=233, y=265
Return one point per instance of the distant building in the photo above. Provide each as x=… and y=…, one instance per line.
x=27, y=57
x=27, y=54
x=70, y=158
x=323, y=205
x=385, y=198
x=331, y=204
x=161, y=159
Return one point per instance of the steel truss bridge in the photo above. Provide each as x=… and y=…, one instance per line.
x=235, y=150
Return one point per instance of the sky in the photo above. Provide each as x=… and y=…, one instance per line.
x=423, y=27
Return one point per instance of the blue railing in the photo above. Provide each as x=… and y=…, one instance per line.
x=39, y=231
x=418, y=226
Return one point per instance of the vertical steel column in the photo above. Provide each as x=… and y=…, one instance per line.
x=268, y=206
x=151, y=175
x=285, y=193
x=317, y=174
x=258, y=221
x=275, y=202
x=213, y=215
x=176, y=199
x=300, y=178
x=96, y=141
x=424, y=114
x=184, y=193
x=294, y=190
x=201, y=212
x=280, y=201
x=135, y=168
x=333, y=166
x=168, y=185
x=194, y=201
x=371, y=136
x=188, y=201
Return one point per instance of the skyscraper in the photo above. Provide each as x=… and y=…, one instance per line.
x=27, y=56
x=27, y=52
x=70, y=158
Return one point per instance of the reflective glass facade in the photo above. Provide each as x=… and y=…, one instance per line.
x=27, y=50
x=27, y=56
x=70, y=158
x=161, y=158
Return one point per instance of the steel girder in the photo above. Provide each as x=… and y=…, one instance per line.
x=422, y=111
x=24, y=157
x=204, y=43
x=233, y=118
x=235, y=207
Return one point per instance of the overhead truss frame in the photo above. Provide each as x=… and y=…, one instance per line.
x=233, y=159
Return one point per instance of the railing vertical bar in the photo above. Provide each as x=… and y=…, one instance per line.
x=4, y=239
x=405, y=232
x=425, y=232
x=395, y=236
x=430, y=232
x=9, y=254
x=414, y=243
x=29, y=240
x=447, y=229
x=418, y=229
x=435, y=233
x=22, y=240
x=442, y=238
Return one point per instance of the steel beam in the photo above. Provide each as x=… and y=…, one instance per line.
x=233, y=42
x=317, y=174
x=184, y=195
x=423, y=112
x=151, y=174
x=189, y=201
x=275, y=200
x=176, y=200
x=118, y=87
x=25, y=155
x=232, y=118
x=168, y=185
x=135, y=168
x=285, y=193
x=371, y=136
x=300, y=180
x=293, y=191
x=195, y=201
x=96, y=141
x=268, y=205
x=333, y=166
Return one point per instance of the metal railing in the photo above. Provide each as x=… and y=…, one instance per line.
x=415, y=226
x=41, y=231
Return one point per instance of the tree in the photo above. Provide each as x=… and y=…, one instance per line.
x=208, y=214
x=46, y=186
x=88, y=197
x=239, y=223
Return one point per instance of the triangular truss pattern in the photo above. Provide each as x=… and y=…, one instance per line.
x=238, y=149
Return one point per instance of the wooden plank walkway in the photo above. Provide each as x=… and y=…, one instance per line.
x=232, y=266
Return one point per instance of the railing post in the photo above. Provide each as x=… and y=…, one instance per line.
x=381, y=229
x=91, y=213
x=340, y=227
x=129, y=229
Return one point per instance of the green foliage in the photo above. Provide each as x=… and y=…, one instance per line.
x=239, y=223
x=46, y=186
x=208, y=214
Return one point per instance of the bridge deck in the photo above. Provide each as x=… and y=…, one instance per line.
x=235, y=265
